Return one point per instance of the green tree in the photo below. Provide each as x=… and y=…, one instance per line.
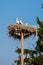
x=28, y=56
x=39, y=47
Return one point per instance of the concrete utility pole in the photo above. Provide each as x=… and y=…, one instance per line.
x=21, y=31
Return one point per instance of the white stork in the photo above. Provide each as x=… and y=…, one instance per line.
x=21, y=21
x=17, y=21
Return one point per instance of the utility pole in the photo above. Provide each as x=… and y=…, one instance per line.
x=21, y=31
x=22, y=48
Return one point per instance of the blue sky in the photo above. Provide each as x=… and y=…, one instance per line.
x=9, y=11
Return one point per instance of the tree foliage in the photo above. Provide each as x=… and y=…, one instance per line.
x=39, y=46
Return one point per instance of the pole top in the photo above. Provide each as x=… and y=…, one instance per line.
x=16, y=29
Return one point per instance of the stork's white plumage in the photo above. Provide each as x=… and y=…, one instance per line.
x=21, y=21
x=17, y=21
